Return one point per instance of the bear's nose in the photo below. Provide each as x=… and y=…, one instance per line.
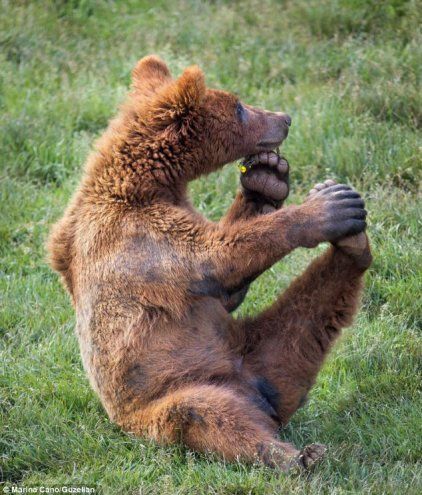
x=284, y=119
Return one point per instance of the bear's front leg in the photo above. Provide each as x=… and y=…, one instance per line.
x=238, y=253
x=264, y=187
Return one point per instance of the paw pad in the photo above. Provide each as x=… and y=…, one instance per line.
x=265, y=177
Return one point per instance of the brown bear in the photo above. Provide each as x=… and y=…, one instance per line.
x=153, y=282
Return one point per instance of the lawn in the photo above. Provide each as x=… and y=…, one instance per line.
x=348, y=71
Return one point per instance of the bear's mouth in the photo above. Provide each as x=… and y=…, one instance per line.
x=272, y=144
x=274, y=137
x=269, y=145
x=251, y=160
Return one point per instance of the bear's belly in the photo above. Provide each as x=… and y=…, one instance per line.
x=195, y=349
x=131, y=361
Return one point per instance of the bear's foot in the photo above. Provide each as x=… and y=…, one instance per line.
x=311, y=454
x=355, y=246
x=286, y=458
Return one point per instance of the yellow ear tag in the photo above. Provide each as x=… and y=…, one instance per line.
x=243, y=169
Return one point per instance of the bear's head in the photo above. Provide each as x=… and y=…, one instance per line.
x=207, y=128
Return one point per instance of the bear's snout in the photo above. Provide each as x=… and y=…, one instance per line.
x=277, y=130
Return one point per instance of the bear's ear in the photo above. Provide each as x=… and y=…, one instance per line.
x=176, y=100
x=149, y=74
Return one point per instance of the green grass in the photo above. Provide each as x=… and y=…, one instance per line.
x=348, y=71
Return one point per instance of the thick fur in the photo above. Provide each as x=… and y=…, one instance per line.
x=152, y=281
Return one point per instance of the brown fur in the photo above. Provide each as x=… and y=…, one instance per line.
x=151, y=279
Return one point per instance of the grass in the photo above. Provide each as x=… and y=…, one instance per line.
x=348, y=71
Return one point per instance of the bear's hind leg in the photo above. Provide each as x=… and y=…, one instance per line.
x=284, y=347
x=210, y=418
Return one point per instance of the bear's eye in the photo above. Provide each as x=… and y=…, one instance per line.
x=240, y=112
